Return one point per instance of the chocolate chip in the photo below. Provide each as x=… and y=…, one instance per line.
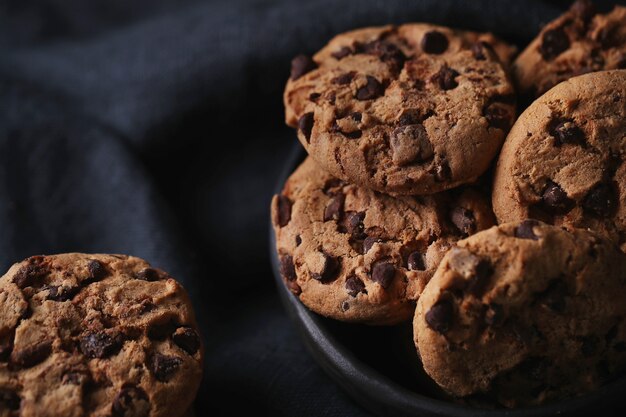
x=481, y=278
x=187, y=339
x=445, y=78
x=300, y=65
x=415, y=262
x=464, y=220
x=97, y=271
x=131, y=401
x=148, y=274
x=61, y=293
x=342, y=52
x=287, y=268
x=434, y=42
x=298, y=240
x=601, y=201
x=411, y=117
x=353, y=135
x=494, y=316
x=28, y=275
x=100, y=345
x=476, y=270
x=355, y=285
x=386, y=51
x=283, y=211
x=334, y=208
x=383, y=273
x=525, y=230
x=161, y=330
x=163, y=367
x=32, y=355
x=498, y=115
x=368, y=243
x=344, y=79
x=305, y=124
x=555, y=199
x=440, y=316
x=566, y=132
x=329, y=270
x=353, y=224
x=314, y=97
x=371, y=90
x=9, y=399
x=481, y=50
x=410, y=144
x=553, y=43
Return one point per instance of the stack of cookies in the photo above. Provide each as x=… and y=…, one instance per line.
x=414, y=144
x=96, y=335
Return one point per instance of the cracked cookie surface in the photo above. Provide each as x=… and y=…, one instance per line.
x=357, y=255
x=525, y=313
x=412, y=109
x=95, y=335
x=563, y=161
x=577, y=42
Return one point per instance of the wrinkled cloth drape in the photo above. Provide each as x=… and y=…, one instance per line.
x=155, y=128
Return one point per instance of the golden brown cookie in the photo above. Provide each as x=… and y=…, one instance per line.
x=563, y=161
x=96, y=335
x=356, y=255
x=525, y=313
x=412, y=109
x=577, y=42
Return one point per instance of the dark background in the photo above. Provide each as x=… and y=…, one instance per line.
x=155, y=128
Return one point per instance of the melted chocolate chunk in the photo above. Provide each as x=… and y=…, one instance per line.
x=342, y=52
x=416, y=261
x=555, y=199
x=354, y=286
x=283, y=212
x=371, y=90
x=525, y=230
x=353, y=224
x=29, y=275
x=305, y=124
x=601, y=201
x=446, y=78
x=97, y=271
x=383, y=273
x=163, y=367
x=334, y=208
x=287, y=268
x=440, y=317
x=300, y=65
x=464, y=220
x=566, y=132
x=553, y=43
x=434, y=42
x=187, y=339
x=330, y=269
x=344, y=79
x=100, y=345
x=148, y=274
x=131, y=401
x=368, y=243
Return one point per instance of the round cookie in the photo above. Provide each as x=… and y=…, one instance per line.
x=524, y=313
x=412, y=109
x=562, y=162
x=577, y=42
x=356, y=255
x=96, y=335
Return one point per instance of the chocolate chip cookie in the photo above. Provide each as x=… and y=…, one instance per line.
x=95, y=335
x=412, y=109
x=578, y=42
x=356, y=255
x=562, y=163
x=525, y=313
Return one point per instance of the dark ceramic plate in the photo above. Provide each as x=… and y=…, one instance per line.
x=379, y=368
